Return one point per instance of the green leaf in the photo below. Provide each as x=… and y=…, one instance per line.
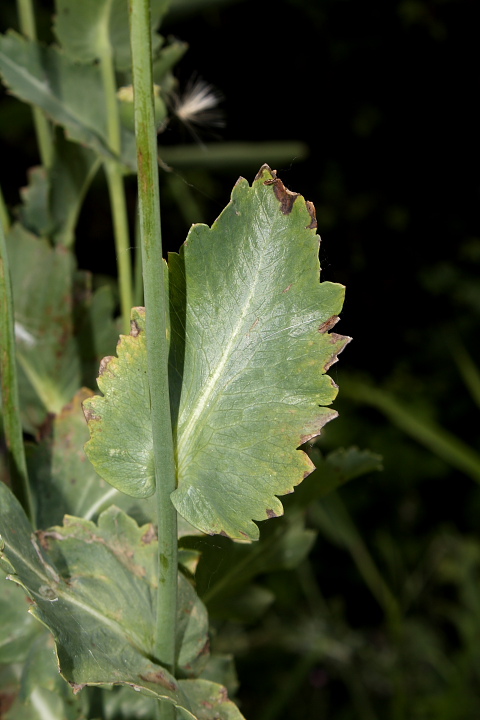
x=249, y=349
x=221, y=669
x=71, y=94
x=35, y=213
x=94, y=587
x=72, y=171
x=18, y=629
x=43, y=692
x=84, y=28
x=65, y=482
x=52, y=200
x=209, y=701
x=61, y=329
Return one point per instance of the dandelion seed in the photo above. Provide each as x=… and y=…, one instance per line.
x=23, y=335
x=199, y=104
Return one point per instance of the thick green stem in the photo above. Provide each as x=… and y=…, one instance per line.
x=42, y=126
x=9, y=388
x=116, y=187
x=157, y=345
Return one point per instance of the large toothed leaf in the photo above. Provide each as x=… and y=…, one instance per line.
x=94, y=587
x=249, y=350
x=72, y=95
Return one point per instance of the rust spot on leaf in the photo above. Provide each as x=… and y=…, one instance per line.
x=328, y=324
x=158, y=677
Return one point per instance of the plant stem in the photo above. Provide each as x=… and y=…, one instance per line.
x=116, y=187
x=434, y=437
x=4, y=216
x=9, y=388
x=42, y=126
x=122, y=240
x=157, y=344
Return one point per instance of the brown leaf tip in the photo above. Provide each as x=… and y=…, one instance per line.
x=328, y=324
x=285, y=197
x=313, y=215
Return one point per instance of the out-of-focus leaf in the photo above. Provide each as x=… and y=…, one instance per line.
x=61, y=329
x=249, y=346
x=85, y=28
x=94, y=586
x=123, y=703
x=166, y=59
x=221, y=669
x=35, y=213
x=422, y=429
x=52, y=200
x=72, y=171
x=71, y=94
x=43, y=692
x=17, y=628
x=333, y=471
x=226, y=568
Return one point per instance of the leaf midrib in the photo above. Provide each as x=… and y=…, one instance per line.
x=188, y=433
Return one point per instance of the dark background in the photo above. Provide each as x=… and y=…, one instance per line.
x=385, y=95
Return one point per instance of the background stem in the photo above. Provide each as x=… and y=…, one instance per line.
x=9, y=387
x=43, y=130
x=157, y=345
x=116, y=187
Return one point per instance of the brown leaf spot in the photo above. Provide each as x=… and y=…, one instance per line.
x=313, y=215
x=103, y=364
x=76, y=687
x=6, y=701
x=287, y=288
x=150, y=536
x=89, y=413
x=285, y=197
x=271, y=513
x=135, y=330
x=158, y=677
x=328, y=324
x=223, y=533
